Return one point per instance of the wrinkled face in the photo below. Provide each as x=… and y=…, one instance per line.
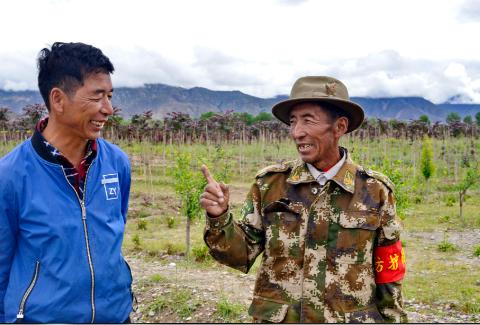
x=313, y=132
x=86, y=112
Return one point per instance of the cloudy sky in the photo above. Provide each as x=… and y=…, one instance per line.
x=379, y=48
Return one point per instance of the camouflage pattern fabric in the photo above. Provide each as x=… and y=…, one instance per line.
x=317, y=243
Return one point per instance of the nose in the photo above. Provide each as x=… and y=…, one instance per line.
x=297, y=130
x=107, y=108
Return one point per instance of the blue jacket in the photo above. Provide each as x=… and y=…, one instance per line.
x=60, y=258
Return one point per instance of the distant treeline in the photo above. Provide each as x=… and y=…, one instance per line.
x=230, y=126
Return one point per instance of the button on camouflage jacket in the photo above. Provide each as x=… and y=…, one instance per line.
x=318, y=245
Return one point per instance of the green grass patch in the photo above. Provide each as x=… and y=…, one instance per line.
x=431, y=216
x=228, y=311
x=476, y=251
x=158, y=278
x=446, y=245
x=137, y=244
x=444, y=219
x=171, y=222
x=433, y=279
x=200, y=253
x=142, y=225
x=158, y=305
x=180, y=301
x=470, y=300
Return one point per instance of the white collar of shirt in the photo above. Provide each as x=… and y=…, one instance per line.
x=322, y=177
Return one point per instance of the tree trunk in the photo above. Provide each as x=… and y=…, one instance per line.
x=206, y=135
x=462, y=195
x=187, y=238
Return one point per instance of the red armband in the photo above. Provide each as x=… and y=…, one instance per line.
x=389, y=263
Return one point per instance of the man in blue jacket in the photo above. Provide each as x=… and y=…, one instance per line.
x=63, y=202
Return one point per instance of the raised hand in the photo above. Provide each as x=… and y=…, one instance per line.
x=214, y=198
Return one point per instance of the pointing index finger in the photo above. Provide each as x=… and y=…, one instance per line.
x=207, y=175
x=213, y=182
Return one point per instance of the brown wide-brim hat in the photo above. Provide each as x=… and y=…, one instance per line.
x=320, y=90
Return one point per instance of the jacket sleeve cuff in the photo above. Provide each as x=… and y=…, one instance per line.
x=220, y=221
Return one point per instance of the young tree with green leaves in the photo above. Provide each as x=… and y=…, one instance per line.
x=4, y=119
x=472, y=176
x=426, y=163
x=402, y=185
x=263, y=116
x=453, y=117
x=207, y=115
x=5, y=113
x=468, y=119
x=246, y=118
x=190, y=183
x=424, y=119
x=477, y=118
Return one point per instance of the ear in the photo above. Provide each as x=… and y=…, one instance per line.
x=341, y=126
x=57, y=100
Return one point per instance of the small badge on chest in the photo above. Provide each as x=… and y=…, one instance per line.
x=111, y=185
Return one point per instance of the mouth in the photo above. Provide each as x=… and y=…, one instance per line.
x=304, y=147
x=98, y=124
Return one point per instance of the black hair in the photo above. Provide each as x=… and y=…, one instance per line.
x=66, y=65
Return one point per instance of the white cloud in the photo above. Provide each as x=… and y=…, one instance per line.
x=18, y=71
x=469, y=11
x=291, y=2
x=455, y=70
x=15, y=85
x=379, y=48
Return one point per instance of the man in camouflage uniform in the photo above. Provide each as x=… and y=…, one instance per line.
x=326, y=226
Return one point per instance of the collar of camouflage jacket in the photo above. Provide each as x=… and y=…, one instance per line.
x=345, y=177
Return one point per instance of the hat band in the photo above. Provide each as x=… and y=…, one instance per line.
x=315, y=94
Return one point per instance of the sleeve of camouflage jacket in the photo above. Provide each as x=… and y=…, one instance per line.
x=237, y=243
x=389, y=295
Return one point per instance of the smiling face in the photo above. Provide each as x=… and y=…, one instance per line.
x=316, y=135
x=86, y=111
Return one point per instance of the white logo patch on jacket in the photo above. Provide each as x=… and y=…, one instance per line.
x=112, y=187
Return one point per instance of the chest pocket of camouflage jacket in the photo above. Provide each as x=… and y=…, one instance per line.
x=355, y=236
x=282, y=229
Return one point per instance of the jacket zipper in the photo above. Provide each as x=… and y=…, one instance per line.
x=87, y=243
x=27, y=293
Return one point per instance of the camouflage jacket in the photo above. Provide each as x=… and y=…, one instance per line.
x=318, y=245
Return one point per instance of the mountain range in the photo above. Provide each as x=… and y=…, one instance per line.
x=162, y=99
